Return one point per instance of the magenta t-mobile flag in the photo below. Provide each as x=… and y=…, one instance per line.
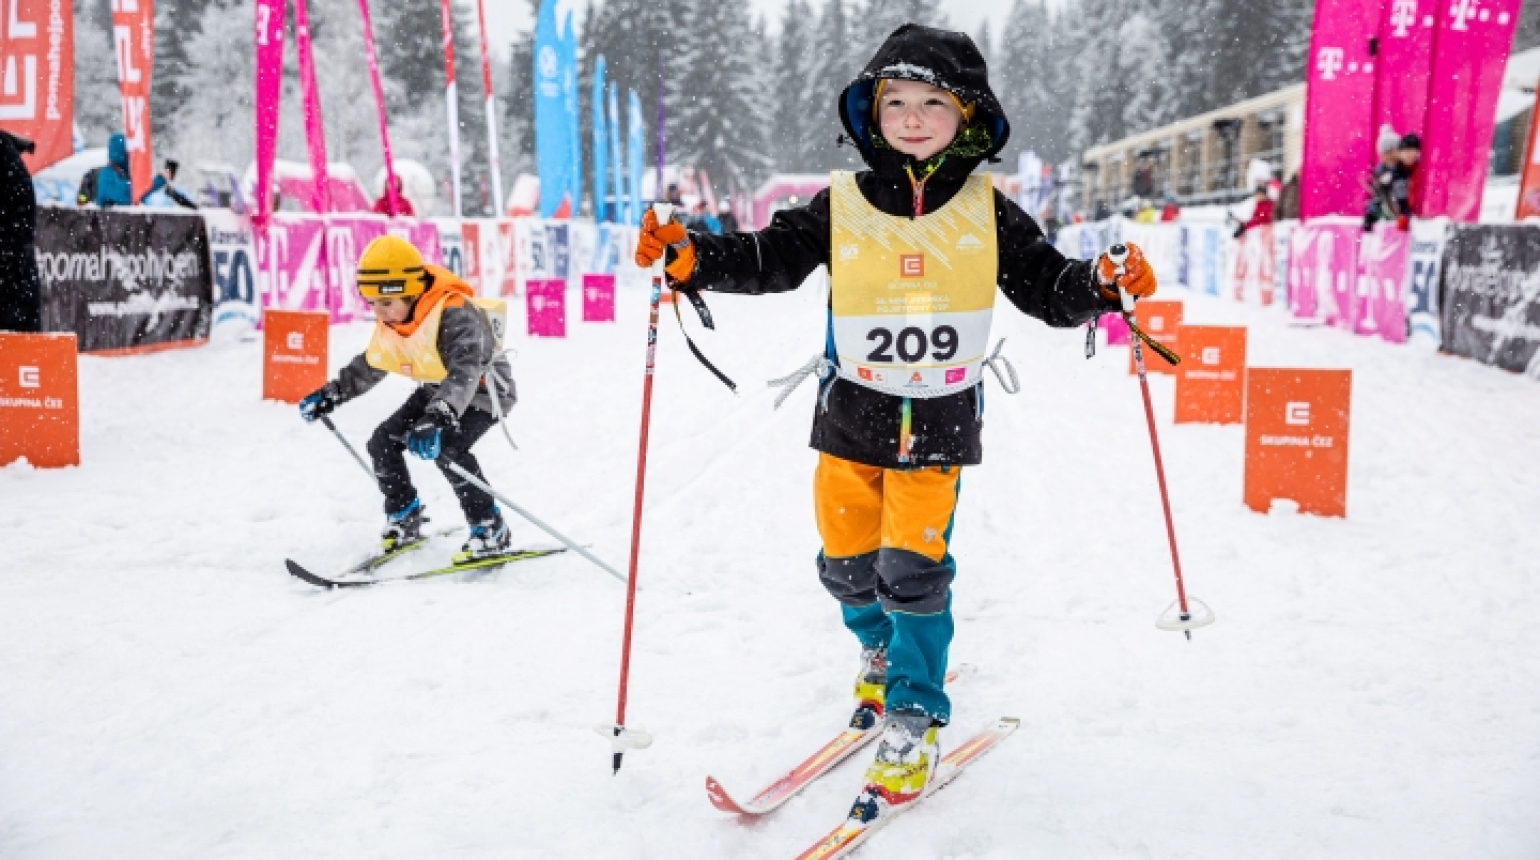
x=1339, y=108
x=1404, y=63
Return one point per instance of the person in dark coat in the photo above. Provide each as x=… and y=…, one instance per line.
x=20, y=288
x=113, y=185
x=725, y=217
x=917, y=247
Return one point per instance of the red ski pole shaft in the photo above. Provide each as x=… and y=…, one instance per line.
x=1119, y=253
x=664, y=213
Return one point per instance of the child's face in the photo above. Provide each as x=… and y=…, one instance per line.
x=1411, y=156
x=391, y=310
x=918, y=119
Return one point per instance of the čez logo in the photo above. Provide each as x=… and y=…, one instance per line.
x=911, y=265
x=1211, y=355
x=296, y=340
x=29, y=377
x=1297, y=413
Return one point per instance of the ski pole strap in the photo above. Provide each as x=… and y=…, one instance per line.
x=995, y=361
x=1090, y=337
x=818, y=364
x=705, y=319
x=1164, y=351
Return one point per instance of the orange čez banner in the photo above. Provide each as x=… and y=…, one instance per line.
x=1529, y=188
x=39, y=403
x=1211, y=380
x=133, y=38
x=1159, y=318
x=1297, y=439
x=37, y=76
x=294, y=353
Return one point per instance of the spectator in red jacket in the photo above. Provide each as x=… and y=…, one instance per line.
x=1261, y=212
x=403, y=205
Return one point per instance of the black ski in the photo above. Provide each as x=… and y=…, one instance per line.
x=474, y=564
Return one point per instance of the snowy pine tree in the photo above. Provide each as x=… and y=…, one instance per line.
x=721, y=105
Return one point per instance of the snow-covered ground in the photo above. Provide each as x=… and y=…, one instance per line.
x=1371, y=689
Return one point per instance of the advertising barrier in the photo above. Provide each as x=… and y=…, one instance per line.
x=451, y=243
x=1378, y=308
x=1160, y=319
x=1297, y=439
x=1211, y=380
x=1323, y=268
x=598, y=298
x=294, y=353
x=1424, y=267
x=233, y=259
x=39, y=400
x=1491, y=298
x=1253, y=269
x=546, y=301
x=124, y=281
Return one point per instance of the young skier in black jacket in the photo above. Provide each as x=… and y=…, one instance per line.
x=916, y=247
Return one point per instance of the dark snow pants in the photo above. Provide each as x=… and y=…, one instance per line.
x=386, y=449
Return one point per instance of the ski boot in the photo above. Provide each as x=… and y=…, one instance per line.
x=871, y=689
x=489, y=537
x=404, y=527
x=906, y=760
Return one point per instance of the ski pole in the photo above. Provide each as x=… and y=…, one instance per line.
x=343, y=439
x=1118, y=254
x=622, y=738
x=484, y=487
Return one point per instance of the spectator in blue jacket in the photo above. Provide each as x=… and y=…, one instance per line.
x=113, y=187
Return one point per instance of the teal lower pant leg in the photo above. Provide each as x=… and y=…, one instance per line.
x=917, y=655
x=870, y=624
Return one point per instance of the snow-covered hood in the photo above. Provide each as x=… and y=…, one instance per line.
x=941, y=58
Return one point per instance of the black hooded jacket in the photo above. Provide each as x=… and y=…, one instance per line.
x=858, y=423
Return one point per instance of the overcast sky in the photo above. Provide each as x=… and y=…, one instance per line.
x=505, y=18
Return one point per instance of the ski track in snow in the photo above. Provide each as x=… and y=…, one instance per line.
x=1371, y=688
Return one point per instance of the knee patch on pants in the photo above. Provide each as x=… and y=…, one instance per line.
x=852, y=581
x=912, y=583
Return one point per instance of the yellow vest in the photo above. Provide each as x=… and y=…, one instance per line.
x=913, y=298
x=417, y=356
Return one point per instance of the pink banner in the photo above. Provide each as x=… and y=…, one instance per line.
x=346, y=238
x=1383, y=258
x=1323, y=269
x=1339, y=108
x=1470, y=53
x=394, y=204
x=269, y=80
x=546, y=302
x=1404, y=63
x=598, y=298
x=1116, y=328
x=315, y=139
x=293, y=273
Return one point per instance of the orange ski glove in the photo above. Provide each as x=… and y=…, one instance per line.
x=1138, y=279
x=653, y=241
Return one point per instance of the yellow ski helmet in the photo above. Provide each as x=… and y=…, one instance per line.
x=391, y=268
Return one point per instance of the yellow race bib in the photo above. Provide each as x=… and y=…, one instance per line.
x=417, y=356
x=913, y=298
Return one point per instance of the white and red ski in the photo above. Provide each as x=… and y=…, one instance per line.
x=816, y=765
x=851, y=834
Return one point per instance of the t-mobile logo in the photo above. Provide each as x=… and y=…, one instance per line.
x=29, y=377
x=1329, y=62
x=1462, y=11
x=1403, y=16
x=297, y=341
x=18, y=75
x=1297, y=413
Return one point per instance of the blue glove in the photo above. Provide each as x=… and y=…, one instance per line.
x=424, y=437
x=320, y=402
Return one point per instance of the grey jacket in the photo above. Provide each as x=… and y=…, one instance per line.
x=467, y=346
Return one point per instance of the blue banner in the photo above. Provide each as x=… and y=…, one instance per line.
x=601, y=143
x=569, y=91
x=553, y=127
x=636, y=150
x=622, y=210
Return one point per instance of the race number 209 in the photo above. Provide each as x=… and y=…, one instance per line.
x=912, y=344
